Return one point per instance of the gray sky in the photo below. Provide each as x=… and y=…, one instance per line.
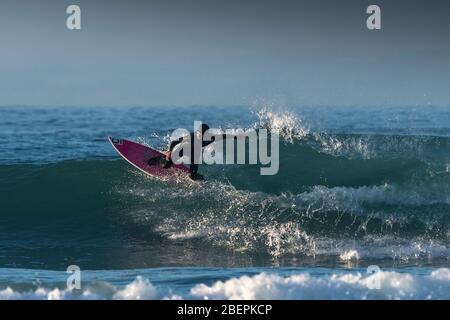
x=229, y=52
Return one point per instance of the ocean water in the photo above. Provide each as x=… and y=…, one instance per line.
x=357, y=186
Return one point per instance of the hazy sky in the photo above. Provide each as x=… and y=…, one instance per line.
x=228, y=52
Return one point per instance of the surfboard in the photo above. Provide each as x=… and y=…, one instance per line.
x=138, y=155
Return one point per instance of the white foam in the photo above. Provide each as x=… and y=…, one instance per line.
x=353, y=199
x=48, y=294
x=392, y=285
x=139, y=289
x=349, y=285
x=285, y=123
x=349, y=255
x=243, y=221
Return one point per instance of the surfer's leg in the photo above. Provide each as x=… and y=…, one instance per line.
x=165, y=163
x=161, y=161
x=193, y=168
x=153, y=161
x=193, y=172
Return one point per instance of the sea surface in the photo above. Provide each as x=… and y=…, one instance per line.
x=357, y=187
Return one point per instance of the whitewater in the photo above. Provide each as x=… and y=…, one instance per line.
x=234, y=284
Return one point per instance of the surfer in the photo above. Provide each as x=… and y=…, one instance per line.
x=194, y=137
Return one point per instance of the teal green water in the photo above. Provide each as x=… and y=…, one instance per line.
x=374, y=180
x=356, y=186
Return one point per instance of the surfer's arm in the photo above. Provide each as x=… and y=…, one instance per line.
x=220, y=137
x=231, y=135
x=174, y=143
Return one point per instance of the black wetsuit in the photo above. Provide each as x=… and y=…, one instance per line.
x=193, y=166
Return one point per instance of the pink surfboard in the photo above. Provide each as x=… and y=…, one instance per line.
x=137, y=155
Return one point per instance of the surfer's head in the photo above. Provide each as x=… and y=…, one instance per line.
x=203, y=128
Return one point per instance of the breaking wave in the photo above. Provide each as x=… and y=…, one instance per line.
x=387, y=285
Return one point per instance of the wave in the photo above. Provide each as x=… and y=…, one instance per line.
x=385, y=285
x=403, y=217
x=347, y=196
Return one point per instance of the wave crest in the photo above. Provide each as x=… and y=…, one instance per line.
x=386, y=285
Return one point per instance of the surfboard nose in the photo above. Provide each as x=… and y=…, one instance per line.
x=115, y=141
